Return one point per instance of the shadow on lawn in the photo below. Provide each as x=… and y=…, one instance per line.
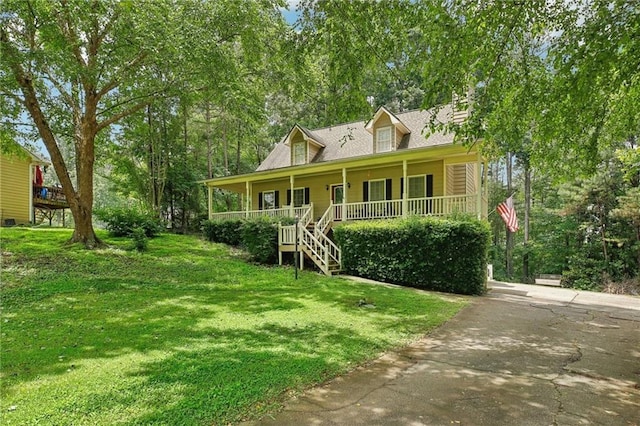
x=236, y=371
x=115, y=318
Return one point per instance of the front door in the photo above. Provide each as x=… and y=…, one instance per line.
x=337, y=197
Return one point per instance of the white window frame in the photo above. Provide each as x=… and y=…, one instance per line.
x=384, y=189
x=293, y=197
x=424, y=186
x=273, y=200
x=388, y=142
x=299, y=154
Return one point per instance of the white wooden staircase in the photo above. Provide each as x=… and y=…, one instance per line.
x=312, y=241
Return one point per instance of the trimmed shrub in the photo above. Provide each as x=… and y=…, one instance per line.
x=223, y=231
x=120, y=222
x=260, y=238
x=429, y=253
x=139, y=239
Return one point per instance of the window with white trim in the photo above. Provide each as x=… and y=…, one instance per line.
x=417, y=187
x=268, y=200
x=377, y=190
x=298, y=197
x=383, y=139
x=299, y=153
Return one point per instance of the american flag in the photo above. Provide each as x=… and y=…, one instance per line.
x=508, y=214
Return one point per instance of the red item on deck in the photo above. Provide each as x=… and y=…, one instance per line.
x=39, y=179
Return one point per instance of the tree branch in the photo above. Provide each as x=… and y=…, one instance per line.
x=69, y=33
x=67, y=97
x=14, y=96
x=115, y=81
x=122, y=114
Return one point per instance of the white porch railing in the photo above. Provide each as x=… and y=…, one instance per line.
x=369, y=210
x=286, y=234
x=443, y=206
x=434, y=206
x=285, y=211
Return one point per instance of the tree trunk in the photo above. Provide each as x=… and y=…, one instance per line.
x=509, y=235
x=83, y=231
x=81, y=199
x=207, y=118
x=151, y=162
x=239, y=136
x=225, y=144
x=527, y=208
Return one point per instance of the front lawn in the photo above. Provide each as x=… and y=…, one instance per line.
x=186, y=333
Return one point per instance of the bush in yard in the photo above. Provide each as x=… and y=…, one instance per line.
x=139, y=239
x=121, y=222
x=260, y=238
x=429, y=253
x=223, y=231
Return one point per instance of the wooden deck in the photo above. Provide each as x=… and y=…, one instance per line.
x=49, y=197
x=47, y=200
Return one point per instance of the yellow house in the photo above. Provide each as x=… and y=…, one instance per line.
x=22, y=192
x=384, y=168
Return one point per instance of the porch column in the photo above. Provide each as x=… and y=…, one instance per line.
x=479, y=186
x=485, y=189
x=291, y=204
x=344, y=194
x=248, y=203
x=405, y=190
x=210, y=200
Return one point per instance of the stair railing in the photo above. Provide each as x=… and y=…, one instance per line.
x=324, y=221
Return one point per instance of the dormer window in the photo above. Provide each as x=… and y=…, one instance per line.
x=387, y=131
x=384, y=139
x=299, y=153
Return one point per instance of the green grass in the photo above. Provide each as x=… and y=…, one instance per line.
x=185, y=333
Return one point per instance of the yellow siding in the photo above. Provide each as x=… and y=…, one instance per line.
x=312, y=151
x=471, y=178
x=463, y=158
x=399, y=135
x=279, y=185
x=435, y=168
x=15, y=187
x=297, y=137
x=456, y=179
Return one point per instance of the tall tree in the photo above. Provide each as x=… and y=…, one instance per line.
x=77, y=67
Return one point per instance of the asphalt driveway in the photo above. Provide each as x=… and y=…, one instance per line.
x=522, y=355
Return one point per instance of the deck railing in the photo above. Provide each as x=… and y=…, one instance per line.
x=324, y=221
x=49, y=195
x=443, y=206
x=369, y=210
x=285, y=211
x=434, y=206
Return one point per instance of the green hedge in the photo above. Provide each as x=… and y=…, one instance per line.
x=121, y=222
x=429, y=253
x=259, y=236
x=223, y=231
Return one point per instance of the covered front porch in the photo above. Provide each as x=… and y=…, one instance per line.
x=387, y=209
x=403, y=184
x=439, y=184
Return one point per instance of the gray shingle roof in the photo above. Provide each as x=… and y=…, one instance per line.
x=352, y=140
